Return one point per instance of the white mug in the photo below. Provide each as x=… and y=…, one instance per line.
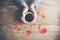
x=28, y=17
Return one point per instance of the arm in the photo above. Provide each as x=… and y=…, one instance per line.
x=21, y=3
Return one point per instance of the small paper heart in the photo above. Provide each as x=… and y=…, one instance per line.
x=40, y=14
x=16, y=23
x=28, y=32
x=42, y=29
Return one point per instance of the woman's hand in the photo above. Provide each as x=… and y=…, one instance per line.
x=25, y=9
x=34, y=12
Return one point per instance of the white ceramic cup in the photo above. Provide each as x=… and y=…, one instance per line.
x=28, y=17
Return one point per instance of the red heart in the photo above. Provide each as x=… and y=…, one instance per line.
x=28, y=32
x=42, y=29
x=16, y=23
x=19, y=29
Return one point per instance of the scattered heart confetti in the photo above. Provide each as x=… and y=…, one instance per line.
x=44, y=15
x=32, y=24
x=40, y=14
x=42, y=29
x=19, y=29
x=16, y=23
x=28, y=32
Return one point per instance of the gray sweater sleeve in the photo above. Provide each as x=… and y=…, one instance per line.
x=37, y=2
x=18, y=2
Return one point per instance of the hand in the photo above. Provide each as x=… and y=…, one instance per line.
x=32, y=9
x=25, y=9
